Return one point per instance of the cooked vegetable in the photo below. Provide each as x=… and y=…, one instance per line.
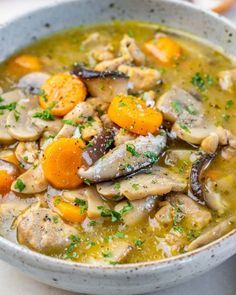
x=61, y=160
x=196, y=174
x=61, y=93
x=125, y=159
x=74, y=213
x=163, y=49
x=24, y=64
x=105, y=84
x=131, y=113
x=31, y=83
x=8, y=173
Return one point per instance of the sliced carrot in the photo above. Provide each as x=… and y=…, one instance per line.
x=6, y=181
x=131, y=113
x=24, y=64
x=61, y=93
x=164, y=49
x=68, y=211
x=61, y=162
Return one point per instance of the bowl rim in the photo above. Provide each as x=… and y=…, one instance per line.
x=31, y=256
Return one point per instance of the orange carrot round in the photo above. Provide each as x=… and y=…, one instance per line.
x=164, y=49
x=61, y=161
x=67, y=211
x=6, y=181
x=61, y=93
x=24, y=64
x=131, y=113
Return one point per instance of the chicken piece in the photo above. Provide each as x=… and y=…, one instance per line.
x=210, y=143
x=140, y=78
x=130, y=50
x=111, y=65
x=227, y=79
x=91, y=128
x=165, y=214
x=44, y=231
x=100, y=54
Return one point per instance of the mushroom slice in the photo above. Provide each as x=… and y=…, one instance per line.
x=140, y=210
x=80, y=113
x=31, y=83
x=156, y=181
x=100, y=144
x=104, y=85
x=186, y=112
x=27, y=152
x=54, y=125
x=141, y=79
x=94, y=202
x=227, y=79
x=8, y=99
x=30, y=182
x=178, y=103
x=44, y=231
x=195, y=176
x=22, y=127
x=122, y=161
x=213, y=233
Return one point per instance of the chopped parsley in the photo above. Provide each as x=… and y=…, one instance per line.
x=55, y=219
x=108, y=143
x=226, y=117
x=138, y=243
x=45, y=115
x=120, y=235
x=92, y=223
x=16, y=115
x=229, y=104
x=9, y=107
x=135, y=186
x=131, y=149
x=151, y=156
x=106, y=212
x=70, y=122
x=116, y=185
x=126, y=208
x=42, y=93
x=107, y=254
x=87, y=181
x=202, y=82
x=70, y=250
x=82, y=204
x=19, y=185
x=184, y=127
x=177, y=106
x=191, y=110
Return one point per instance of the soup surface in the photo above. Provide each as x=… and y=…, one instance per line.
x=117, y=144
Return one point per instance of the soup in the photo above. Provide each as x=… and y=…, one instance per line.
x=117, y=144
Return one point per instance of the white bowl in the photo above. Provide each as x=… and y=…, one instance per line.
x=131, y=278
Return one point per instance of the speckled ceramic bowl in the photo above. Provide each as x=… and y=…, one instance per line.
x=133, y=278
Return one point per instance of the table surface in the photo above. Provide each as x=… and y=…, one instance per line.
x=220, y=281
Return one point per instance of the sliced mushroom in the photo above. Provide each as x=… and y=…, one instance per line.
x=140, y=210
x=156, y=181
x=227, y=79
x=141, y=79
x=98, y=147
x=31, y=83
x=44, y=231
x=213, y=233
x=22, y=127
x=31, y=182
x=27, y=152
x=78, y=115
x=198, y=167
x=54, y=125
x=120, y=161
x=186, y=112
x=104, y=85
x=174, y=156
x=94, y=202
x=195, y=216
x=8, y=98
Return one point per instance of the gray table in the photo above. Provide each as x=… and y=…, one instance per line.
x=220, y=281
